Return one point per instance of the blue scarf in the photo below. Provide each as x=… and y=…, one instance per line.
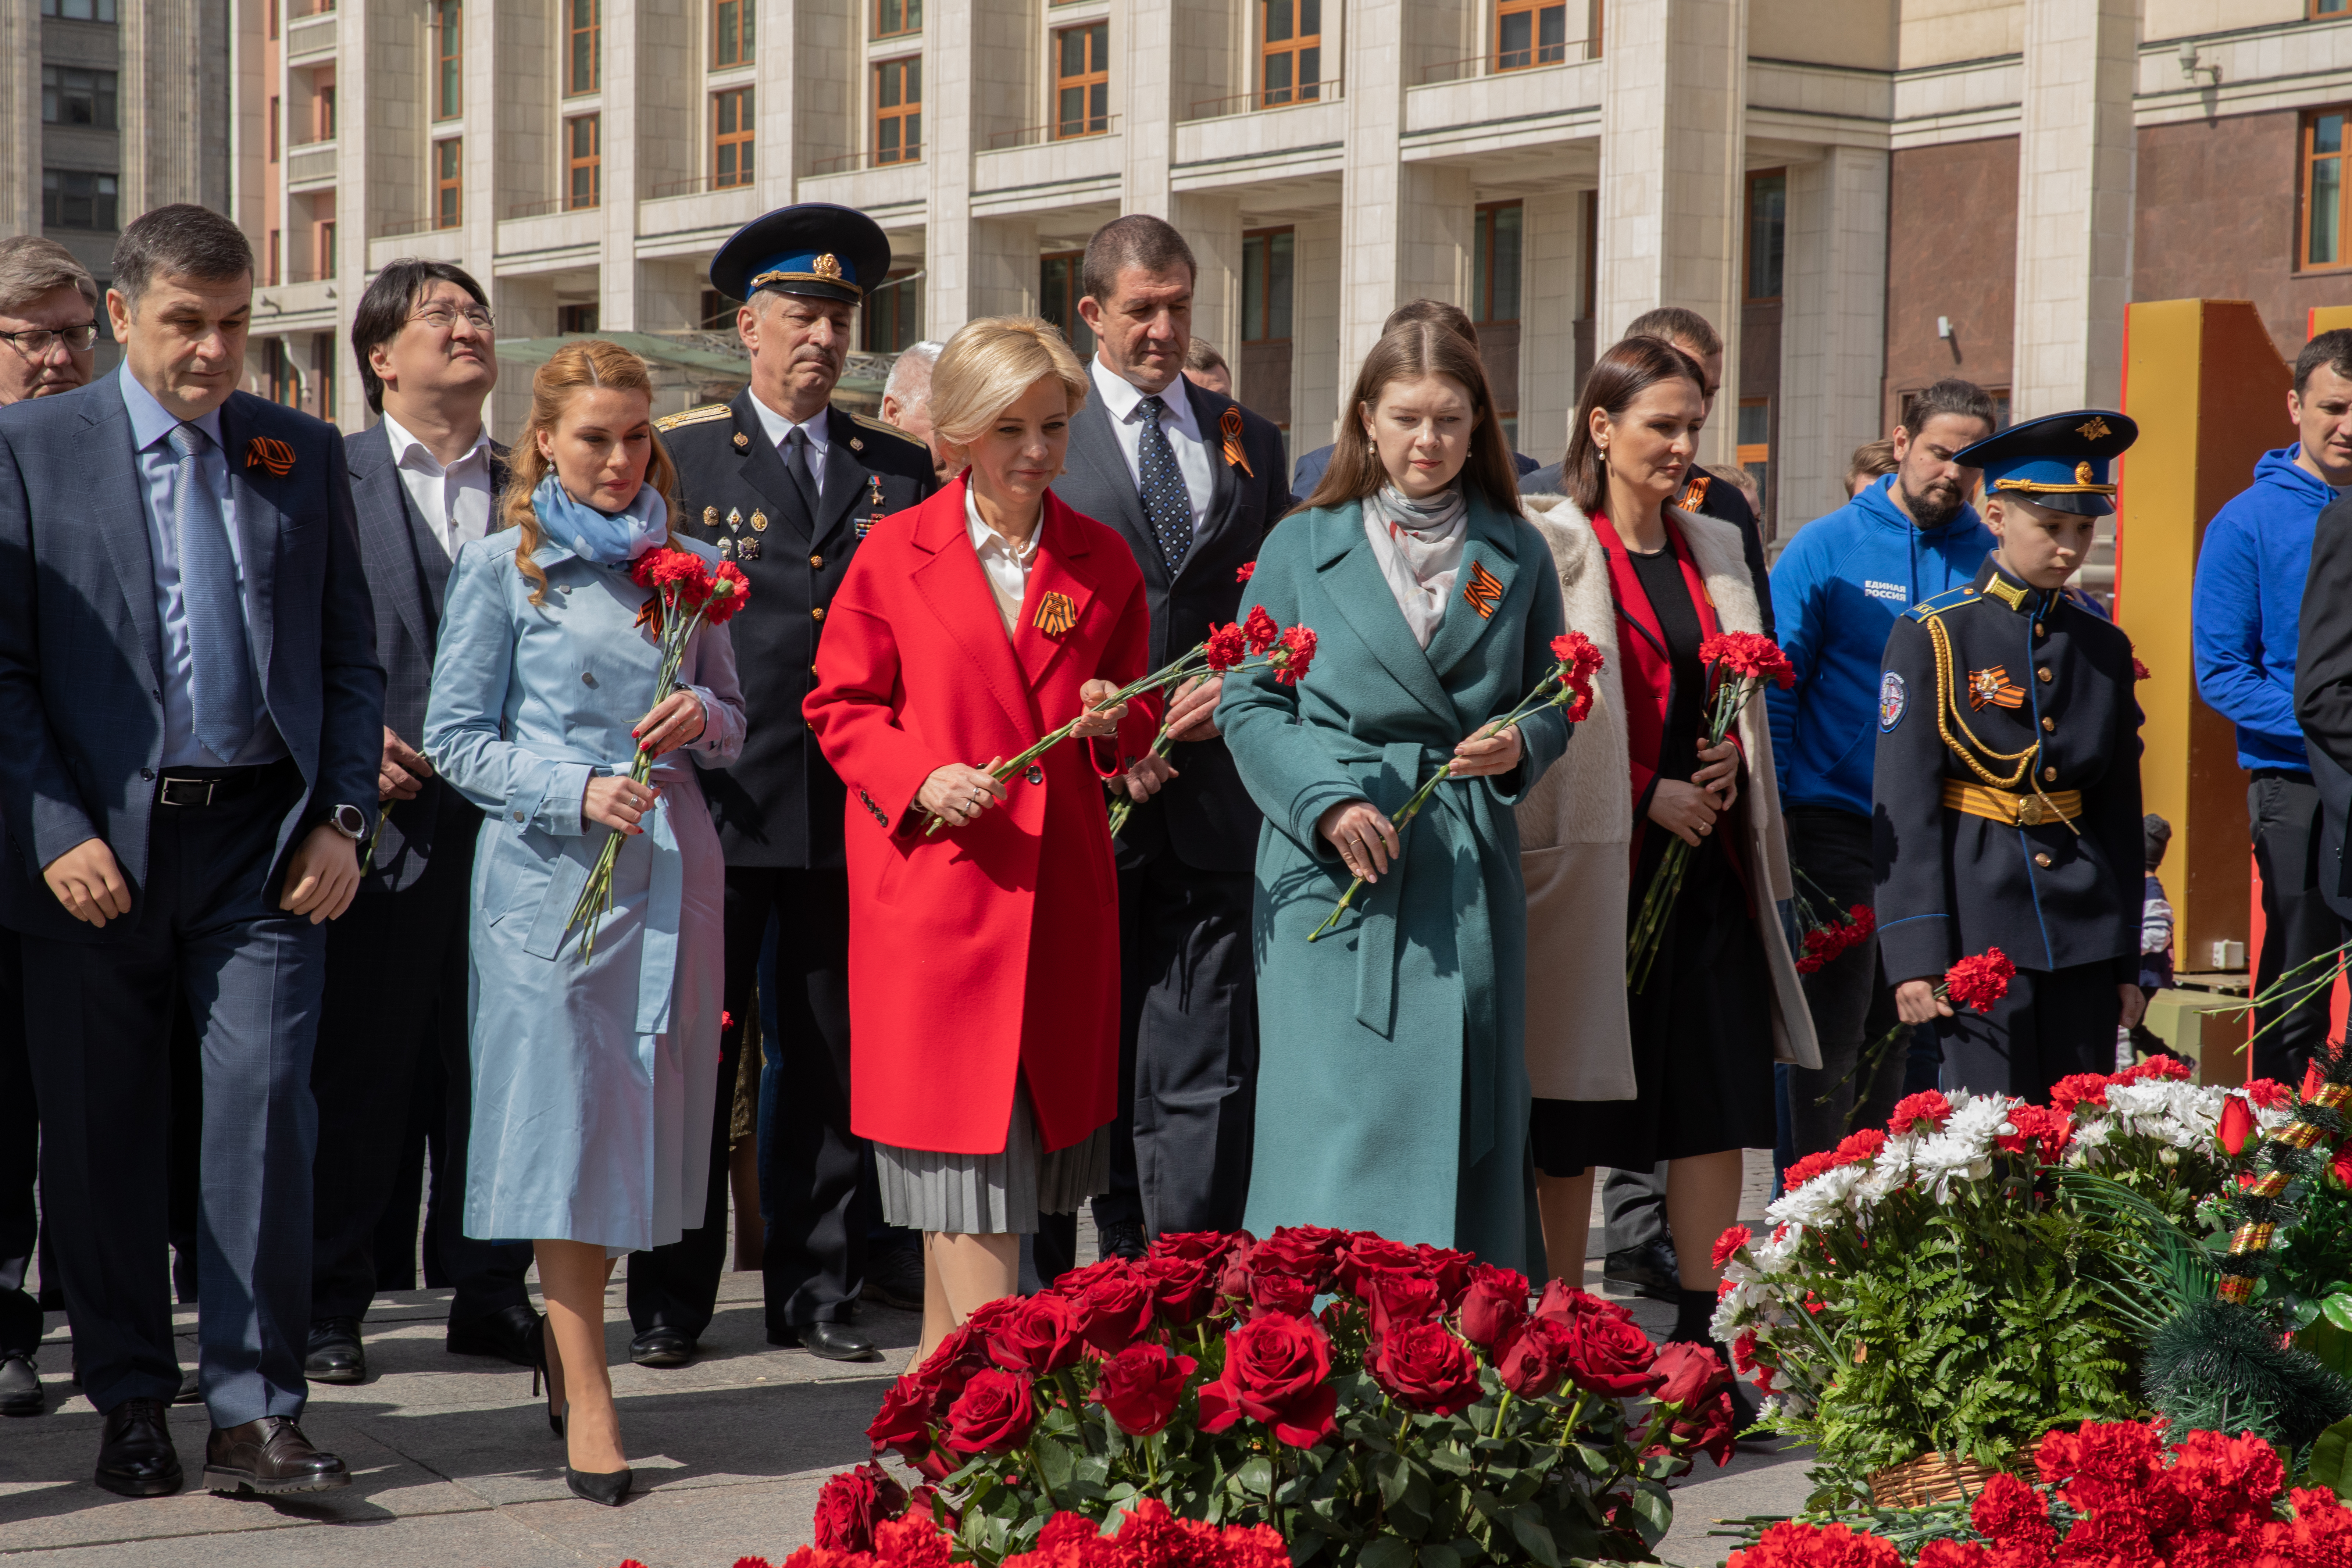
x=609, y=539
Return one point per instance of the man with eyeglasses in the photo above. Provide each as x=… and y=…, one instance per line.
x=48, y=315
x=425, y=482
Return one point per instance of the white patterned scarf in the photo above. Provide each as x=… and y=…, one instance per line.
x=1418, y=546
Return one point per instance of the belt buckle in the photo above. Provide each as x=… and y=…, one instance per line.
x=170, y=784
x=2030, y=811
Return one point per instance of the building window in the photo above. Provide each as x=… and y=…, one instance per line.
x=1290, y=59
x=272, y=262
x=719, y=311
x=2323, y=189
x=79, y=10
x=1082, y=79
x=1754, y=451
x=322, y=373
x=730, y=32
x=582, y=183
x=71, y=96
x=1529, y=33
x=285, y=385
x=731, y=152
x=271, y=7
x=894, y=18
x=327, y=249
x=1059, y=286
x=276, y=119
x=569, y=318
x=892, y=316
x=582, y=64
x=1767, y=233
x=1267, y=258
x=1495, y=268
x=72, y=199
x=322, y=110
x=2320, y=8
x=448, y=183
x=449, y=59
x=899, y=110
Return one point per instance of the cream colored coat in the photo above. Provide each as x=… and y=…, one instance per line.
x=1576, y=835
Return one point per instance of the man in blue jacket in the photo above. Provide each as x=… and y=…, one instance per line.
x=1837, y=591
x=2243, y=631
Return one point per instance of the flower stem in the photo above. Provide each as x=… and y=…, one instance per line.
x=1500, y=1411
x=1412, y=809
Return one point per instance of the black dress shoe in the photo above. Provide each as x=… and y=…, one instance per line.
x=269, y=1456
x=511, y=1333
x=20, y=1387
x=1646, y=1270
x=835, y=1341
x=135, y=1458
x=895, y=1278
x=607, y=1487
x=336, y=1354
x=1122, y=1238
x=662, y=1346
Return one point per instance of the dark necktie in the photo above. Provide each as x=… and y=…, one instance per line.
x=796, y=464
x=1167, y=504
x=220, y=685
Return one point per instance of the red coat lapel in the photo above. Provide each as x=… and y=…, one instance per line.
x=1061, y=587
x=955, y=588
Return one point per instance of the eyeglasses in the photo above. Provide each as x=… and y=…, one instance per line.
x=440, y=318
x=35, y=343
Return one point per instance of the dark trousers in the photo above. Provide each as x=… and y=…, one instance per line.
x=204, y=924
x=2052, y=1024
x=1180, y=1152
x=396, y=994
x=2297, y=925
x=1633, y=1209
x=20, y=1133
x=1851, y=1003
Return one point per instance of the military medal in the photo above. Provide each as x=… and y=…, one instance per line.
x=727, y=550
x=759, y=523
x=874, y=499
x=711, y=517
x=1057, y=613
x=1994, y=688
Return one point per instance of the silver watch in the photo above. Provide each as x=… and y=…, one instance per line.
x=348, y=820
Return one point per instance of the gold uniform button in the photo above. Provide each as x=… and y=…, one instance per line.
x=816, y=562
x=2050, y=775
x=2042, y=675
x=818, y=615
x=2049, y=723
x=2038, y=631
x=2043, y=861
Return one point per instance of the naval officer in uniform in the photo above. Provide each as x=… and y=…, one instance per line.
x=2006, y=801
x=785, y=485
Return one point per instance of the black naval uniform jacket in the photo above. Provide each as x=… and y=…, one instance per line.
x=1951, y=883
x=779, y=804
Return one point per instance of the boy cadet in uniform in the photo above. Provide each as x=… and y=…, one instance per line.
x=2006, y=796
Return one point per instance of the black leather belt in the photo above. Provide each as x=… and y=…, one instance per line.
x=217, y=787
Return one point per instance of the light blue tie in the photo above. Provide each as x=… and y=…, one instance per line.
x=221, y=683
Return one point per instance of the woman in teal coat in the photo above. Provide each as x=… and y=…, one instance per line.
x=1391, y=1094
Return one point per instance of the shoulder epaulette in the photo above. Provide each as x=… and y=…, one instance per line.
x=698, y=415
x=1950, y=599
x=887, y=428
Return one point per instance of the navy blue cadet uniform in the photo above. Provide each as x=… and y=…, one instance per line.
x=2006, y=805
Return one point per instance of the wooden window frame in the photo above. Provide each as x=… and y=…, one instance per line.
x=1092, y=120
x=908, y=23
x=1263, y=264
x=732, y=152
x=2319, y=11
x=1291, y=52
x=732, y=34
x=323, y=112
x=581, y=60
x=1747, y=237
x=449, y=59
x=2306, y=160
x=1073, y=327
x=574, y=162
x=448, y=183
x=1534, y=11
x=277, y=127
x=1483, y=221
x=908, y=112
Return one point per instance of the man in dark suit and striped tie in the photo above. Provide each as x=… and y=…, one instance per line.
x=425, y=479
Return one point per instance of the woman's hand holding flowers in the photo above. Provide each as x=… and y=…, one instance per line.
x=1097, y=721
x=1482, y=756
x=956, y=794
x=1364, y=836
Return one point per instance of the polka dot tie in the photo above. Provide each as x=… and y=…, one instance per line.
x=1167, y=504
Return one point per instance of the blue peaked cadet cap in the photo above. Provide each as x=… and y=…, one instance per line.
x=2063, y=461
x=816, y=248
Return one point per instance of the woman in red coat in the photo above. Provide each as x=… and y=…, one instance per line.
x=983, y=959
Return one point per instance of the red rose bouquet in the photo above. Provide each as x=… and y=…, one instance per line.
x=686, y=592
x=1427, y=1406
x=1568, y=685
x=1737, y=665
x=1255, y=643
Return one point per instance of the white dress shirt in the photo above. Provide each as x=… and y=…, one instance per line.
x=1007, y=566
x=159, y=477
x=454, y=501
x=780, y=430
x=1122, y=400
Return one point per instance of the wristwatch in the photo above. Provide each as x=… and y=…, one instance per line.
x=348, y=820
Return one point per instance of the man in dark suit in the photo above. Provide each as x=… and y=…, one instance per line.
x=196, y=721
x=425, y=482
x=786, y=485
x=2322, y=692
x=1308, y=471
x=1193, y=482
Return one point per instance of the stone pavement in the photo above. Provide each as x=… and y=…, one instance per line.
x=453, y=1466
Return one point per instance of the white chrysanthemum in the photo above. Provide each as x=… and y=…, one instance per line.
x=1890, y=1173
x=1820, y=1202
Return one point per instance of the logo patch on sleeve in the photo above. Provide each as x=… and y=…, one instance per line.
x=1894, y=700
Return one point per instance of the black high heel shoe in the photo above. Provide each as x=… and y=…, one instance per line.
x=606, y=1487
x=537, y=1371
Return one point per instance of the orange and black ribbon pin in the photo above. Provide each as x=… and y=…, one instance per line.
x=267, y=452
x=1484, y=591
x=1055, y=614
x=1229, y=426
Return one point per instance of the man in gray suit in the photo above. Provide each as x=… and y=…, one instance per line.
x=425, y=481
x=194, y=718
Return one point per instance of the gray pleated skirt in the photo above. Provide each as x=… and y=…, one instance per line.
x=984, y=1194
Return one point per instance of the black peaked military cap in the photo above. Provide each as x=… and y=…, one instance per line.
x=2063, y=461
x=816, y=249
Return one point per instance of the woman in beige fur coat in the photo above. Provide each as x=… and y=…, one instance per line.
x=1680, y=1071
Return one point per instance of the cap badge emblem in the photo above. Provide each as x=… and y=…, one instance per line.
x=856, y=445
x=828, y=267
x=743, y=442
x=2083, y=473
x=2092, y=428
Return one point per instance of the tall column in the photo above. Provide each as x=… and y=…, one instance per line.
x=1145, y=105
x=163, y=132
x=1673, y=167
x=2077, y=169
x=623, y=88
x=1552, y=295
x=1405, y=229
x=20, y=115
x=1833, y=332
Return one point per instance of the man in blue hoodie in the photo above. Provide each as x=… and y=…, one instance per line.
x=2243, y=632
x=1837, y=590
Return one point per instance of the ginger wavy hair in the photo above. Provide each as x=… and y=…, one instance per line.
x=573, y=368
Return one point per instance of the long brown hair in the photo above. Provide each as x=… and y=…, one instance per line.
x=1629, y=368
x=590, y=362
x=1409, y=353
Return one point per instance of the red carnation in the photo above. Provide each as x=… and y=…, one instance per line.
x=1727, y=1244
x=1494, y=1307
x=1249, y=570
x=1297, y=653
x=1226, y=647
x=1142, y=1386
x=1857, y=1147
x=852, y=1503
x=1751, y=656
x=1979, y=980
x=1863, y=920
x=1424, y=1367
x=1278, y=1372
x=2039, y=1124
x=1581, y=659
x=2266, y=1093
x=1260, y=629
x=993, y=1414
x=729, y=591
x=2139, y=670
x=2079, y=1088
x=1927, y=1105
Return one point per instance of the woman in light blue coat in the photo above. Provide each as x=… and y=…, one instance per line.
x=593, y=1079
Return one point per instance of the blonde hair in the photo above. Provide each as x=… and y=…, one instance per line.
x=577, y=365
x=989, y=364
